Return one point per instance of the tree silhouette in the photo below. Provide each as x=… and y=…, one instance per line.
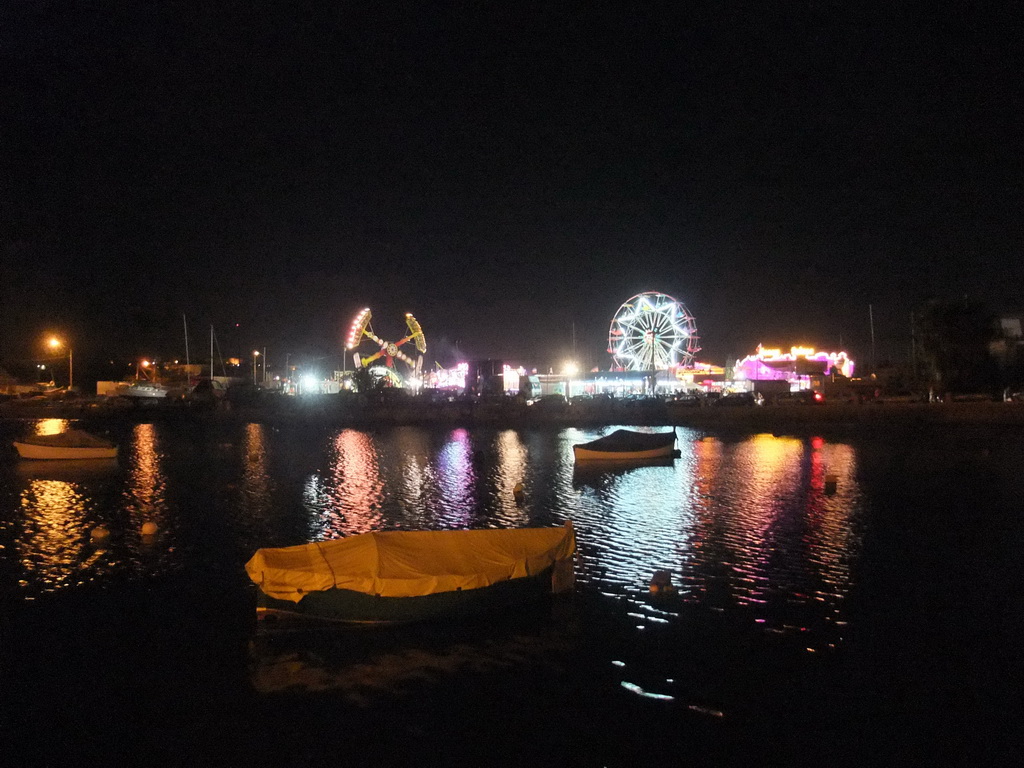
x=954, y=338
x=365, y=382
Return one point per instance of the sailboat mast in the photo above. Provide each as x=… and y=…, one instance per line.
x=184, y=321
x=871, y=322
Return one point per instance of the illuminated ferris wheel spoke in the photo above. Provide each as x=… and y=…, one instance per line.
x=652, y=331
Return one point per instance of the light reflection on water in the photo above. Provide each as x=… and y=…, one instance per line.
x=51, y=426
x=746, y=525
x=346, y=499
x=256, y=483
x=145, y=497
x=53, y=530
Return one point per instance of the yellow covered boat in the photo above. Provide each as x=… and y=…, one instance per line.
x=402, y=576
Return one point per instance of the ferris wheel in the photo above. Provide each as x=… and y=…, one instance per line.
x=388, y=350
x=652, y=331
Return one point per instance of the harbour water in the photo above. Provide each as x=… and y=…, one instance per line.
x=872, y=617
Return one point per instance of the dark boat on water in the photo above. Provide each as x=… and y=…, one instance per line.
x=385, y=577
x=627, y=445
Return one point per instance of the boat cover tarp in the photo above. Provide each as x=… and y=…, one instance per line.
x=626, y=440
x=72, y=438
x=414, y=563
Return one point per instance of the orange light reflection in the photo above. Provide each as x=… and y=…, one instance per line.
x=52, y=426
x=54, y=533
x=146, y=489
x=256, y=484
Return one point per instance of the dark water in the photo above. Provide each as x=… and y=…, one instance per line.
x=873, y=621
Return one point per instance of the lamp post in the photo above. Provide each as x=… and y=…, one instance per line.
x=255, y=354
x=56, y=343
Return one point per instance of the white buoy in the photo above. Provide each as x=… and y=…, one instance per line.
x=831, y=482
x=149, y=528
x=99, y=533
x=518, y=492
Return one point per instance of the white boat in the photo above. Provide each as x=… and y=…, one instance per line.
x=146, y=389
x=73, y=444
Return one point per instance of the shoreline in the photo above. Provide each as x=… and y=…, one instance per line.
x=829, y=417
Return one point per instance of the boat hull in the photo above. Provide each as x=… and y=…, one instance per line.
x=74, y=444
x=146, y=391
x=63, y=453
x=344, y=606
x=589, y=454
x=624, y=445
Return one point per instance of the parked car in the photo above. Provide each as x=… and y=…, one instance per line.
x=740, y=399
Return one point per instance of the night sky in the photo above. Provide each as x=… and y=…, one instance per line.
x=508, y=172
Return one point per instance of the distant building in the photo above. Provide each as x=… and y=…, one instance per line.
x=485, y=377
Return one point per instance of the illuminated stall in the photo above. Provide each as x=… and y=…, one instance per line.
x=800, y=367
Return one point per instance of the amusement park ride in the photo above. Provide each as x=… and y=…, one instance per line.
x=388, y=350
x=652, y=331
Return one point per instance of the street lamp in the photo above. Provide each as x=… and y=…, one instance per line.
x=55, y=344
x=255, y=354
x=570, y=369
